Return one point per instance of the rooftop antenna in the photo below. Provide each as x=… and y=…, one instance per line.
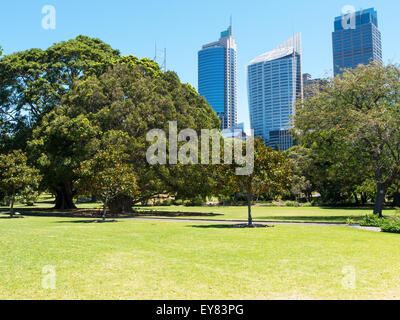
x=160, y=56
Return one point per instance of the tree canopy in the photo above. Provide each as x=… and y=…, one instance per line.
x=353, y=122
x=131, y=97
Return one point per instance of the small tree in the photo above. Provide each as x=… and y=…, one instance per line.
x=107, y=175
x=16, y=176
x=271, y=174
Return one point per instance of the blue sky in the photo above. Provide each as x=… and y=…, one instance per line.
x=182, y=26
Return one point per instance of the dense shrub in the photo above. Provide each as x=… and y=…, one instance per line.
x=196, y=202
x=290, y=203
x=391, y=226
x=167, y=202
x=178, y=202
x=371, y=220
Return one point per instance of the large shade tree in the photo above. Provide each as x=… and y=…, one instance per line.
x=33, y=83
x=133, y=97
x=356, y=120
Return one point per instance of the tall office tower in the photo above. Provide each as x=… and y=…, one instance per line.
x=356, y=40
x=275, y=82
x=217, y=77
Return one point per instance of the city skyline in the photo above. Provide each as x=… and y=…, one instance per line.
x=180, y=28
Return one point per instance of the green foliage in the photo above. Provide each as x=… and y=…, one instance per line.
x=301, y=163
x=29, y=196
x=167, y=202
x=372, y=220
x=292, y=204
x=16, y=175
x=59, y=146
x=352, y=126
x=271, y=173
x=178, y=202
x=106, y=175
x=391, y=226
x=131, y=98
x=33, y=82
x=197, y=201
x=350, y=221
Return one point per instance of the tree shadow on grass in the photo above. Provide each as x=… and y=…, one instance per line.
x=172, y=214
x=334, y=219
x=8, y=217
x=87, y=221
x=230, y=226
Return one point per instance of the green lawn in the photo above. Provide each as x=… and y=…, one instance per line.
x=300, y=214
x=134, y=259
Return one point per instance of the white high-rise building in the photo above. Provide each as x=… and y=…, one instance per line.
x=275, y=83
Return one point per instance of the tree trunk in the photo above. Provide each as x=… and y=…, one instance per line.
x=380, y=199
x=7, y=200
x=363, y=198
x=104, y=209
x=12, y=207
x=121, y=204
x=250, y=218
x=64, y=197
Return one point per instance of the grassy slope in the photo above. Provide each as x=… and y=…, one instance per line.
x=179, y=260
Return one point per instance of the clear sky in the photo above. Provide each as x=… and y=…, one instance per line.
x=183, y=26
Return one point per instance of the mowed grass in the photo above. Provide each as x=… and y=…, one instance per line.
x=299, y=214
x=260, y=213
x=134, y=259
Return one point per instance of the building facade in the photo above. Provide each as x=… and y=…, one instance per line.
x=217, y=77
x=275, y=83
x=356, y=40
x=311, y=86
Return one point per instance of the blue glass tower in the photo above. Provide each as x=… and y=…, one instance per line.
x=275, y=82
x=217, y=77
x=356, y=40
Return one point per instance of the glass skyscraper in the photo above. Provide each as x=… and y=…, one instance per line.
x=356, y=41
x=275, y=82
x=217, y=77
